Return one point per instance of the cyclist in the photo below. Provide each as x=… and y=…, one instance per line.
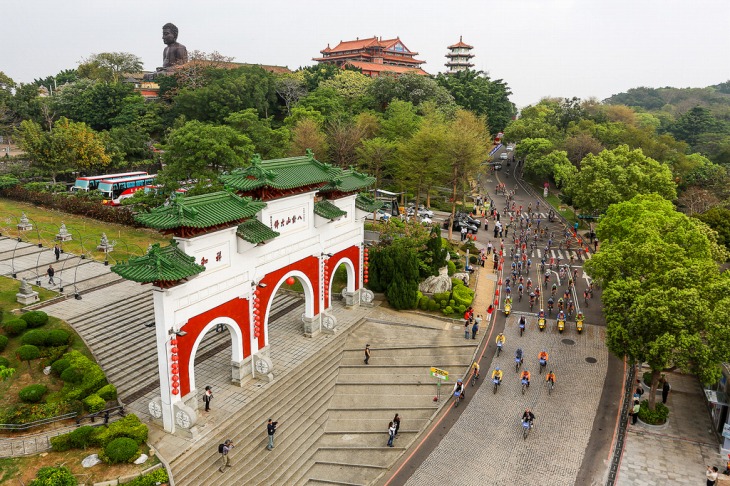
x=475, y=368
x=529, y=283
x=528, y=416
x=543, y=356
x=550, y=377
x=497, y=373
x=554, y=289
x=551, y=303
x=525, y=376
x=523, y=322
x=459, y=387
x=518, y=354
x=532, y=299
x=561, y=303
x=500, y=340
x=521, y=290
x=508, y=291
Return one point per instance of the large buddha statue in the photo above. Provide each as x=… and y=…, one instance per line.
x=175, y=53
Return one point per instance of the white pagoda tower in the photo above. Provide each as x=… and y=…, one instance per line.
x=459, y=57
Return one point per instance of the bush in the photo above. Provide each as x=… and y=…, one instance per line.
x=28, y=352
x=4, y=362
x=448, y=310
x=61, y=443
x=54, y=476
x=108, y=392
x=461, y=309
x=15, y=327
x=35, y=319
x=72, y=375
x=451, y=266
x=441, y=297
x=51, y=354
x=58, y=337
x=81, y=438
x=3, y=342
x=94, y=403
x=33, y=393
x=92, y=377
x=433, y=305
x=443, y=304
x=656, y=417
x=122, y=449
x=423, y=302
x=36, y=337
x=24, y=413
x=452, y=303
x=456, y=282
x=129, y=427
x=158, y=476
x=463, y=295
x=473, y=259
x=59, y=366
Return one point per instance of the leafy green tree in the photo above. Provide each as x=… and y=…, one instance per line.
x=693, y=123
x=98, y=104
x=351, y=86
x=68, y=146
x=127, y=144
x=268, y=142
x=554, y=165
x=324, y=100
x=410, y=87
x=618, y=175
x=375, y=157
x=109, y=66
x=200, y=152
x=579, y=145
x=534, y=122
x=299, y=113
x=307, y=134
x=54, y=476
x=534, y=147
x=719, y=220
x=6, y=372
x=63, y=77
x=400, y=121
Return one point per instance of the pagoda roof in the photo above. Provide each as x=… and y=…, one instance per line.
x=349, y=180
x=200, y=212
x=359, y=44
x=460, y=44
x=387, y=68
x=164, y=267
x=328, y=210
x=282, y=174
x=254, y=231
x=368, y=203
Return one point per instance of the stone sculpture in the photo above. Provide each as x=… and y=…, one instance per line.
x=436, y=283
x=175, y=53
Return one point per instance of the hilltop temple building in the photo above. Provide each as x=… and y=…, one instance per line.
x=374, y=56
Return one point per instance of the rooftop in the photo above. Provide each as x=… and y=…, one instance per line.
x=162, y=266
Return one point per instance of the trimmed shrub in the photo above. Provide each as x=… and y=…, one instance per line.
x=448, y=310
x=3, y=342
x=61, y=443
x=443, y=304
x=423, y=302
x=461, y=309
x=656, y=417
x=33, y=393
x=4, y=362
x=92, y=377
x=452, y=303
x=158, y=476
x=441, y=296
x=129, y=426
x=28, y=352
x=81, y=438
x=58, y=337
x=451, y=266
x=463, y=295
x=456, y=282
x=36, y=337
x=59, y=366
x=35, y=319
x=54, y=476
x=108, y=392
x=72, y=375
x=51, y=354
x=433, y=305
x=473, y=259
x=94, y=403
x=122, y=449
x=15, y=327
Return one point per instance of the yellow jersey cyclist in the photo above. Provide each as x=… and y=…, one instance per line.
x=497, y=375
x=475, y=369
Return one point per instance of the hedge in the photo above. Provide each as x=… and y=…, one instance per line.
x=58, y=337
x=81, y=438
x=33, y=393
x=3, y=342
x=463, y=295
x=129, y=426
x=158, y=476
x=451, y=267
x=35, y=319
x=59, y=366
x=108, y=392
x=15, y=327
x=656, y=417
x=54, y=476
x=92, y=377
x=94, y=403
x=122, y=449
x=72, y=375
x=24, y=413
x=36, y=337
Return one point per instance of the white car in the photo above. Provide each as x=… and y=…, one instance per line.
x=426, y=220
x=379, y=215
x=503, y=156
x=422, y=212
x=510, y=148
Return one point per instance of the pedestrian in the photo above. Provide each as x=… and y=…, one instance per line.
x=635, y=412
x=270, y=429
x=466, y=329
x=489, y=248
x=475, y=327
x=367, y=353
x=711, y=476
x=463, y=233
x=490, y=309
x=391, y=434
x=207, y=397
x=595, y=245
x=396, y=422
x=51, y=272
x=224, y=449
x=639, y=390
x=57, y=252
x=665, y=389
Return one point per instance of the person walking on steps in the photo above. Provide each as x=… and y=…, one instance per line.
x=271, y=429
x=391, y=434
x=207, y=397
x=51, y=272
x=396, y=422
x=224, y=449
x=367, y=353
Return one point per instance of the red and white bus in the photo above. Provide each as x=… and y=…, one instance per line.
x=117, y=189
x=92, y=182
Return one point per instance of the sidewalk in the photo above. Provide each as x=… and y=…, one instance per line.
x=679, y=452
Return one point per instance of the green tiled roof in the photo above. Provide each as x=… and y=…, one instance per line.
x=168, y=264
x=328, y=210
x=254, y=231
x=349, y=181
x=368, y=203
x=286, y=173
x=204, y=211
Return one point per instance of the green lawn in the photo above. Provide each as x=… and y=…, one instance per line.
x=86, y=231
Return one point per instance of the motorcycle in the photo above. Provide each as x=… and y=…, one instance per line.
x=541, y=323
x=579, y=324
x=507, y=309
x=561, y=325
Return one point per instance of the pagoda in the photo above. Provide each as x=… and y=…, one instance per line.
x=374, y=56
x=459, y=57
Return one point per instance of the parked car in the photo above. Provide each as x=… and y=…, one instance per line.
x=465, y=217
x=422, y=211
x=379, y=215
x=510, y=148
x=458, y=224
x=503, y=156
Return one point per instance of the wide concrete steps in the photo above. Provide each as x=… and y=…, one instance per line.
x=298, y=401
x=346, y=473
x=374, y=439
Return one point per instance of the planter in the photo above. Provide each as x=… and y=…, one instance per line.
x=654, y=427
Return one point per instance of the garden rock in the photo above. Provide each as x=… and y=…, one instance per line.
x=142, y=459
x=47, y=370
x=91, y=461
x=436, y=284
x=464, y=277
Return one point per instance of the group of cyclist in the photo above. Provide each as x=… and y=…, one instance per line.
x=525, y=376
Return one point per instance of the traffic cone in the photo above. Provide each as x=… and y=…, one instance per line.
x=496, y=292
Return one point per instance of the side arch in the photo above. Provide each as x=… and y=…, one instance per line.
x=236, y=345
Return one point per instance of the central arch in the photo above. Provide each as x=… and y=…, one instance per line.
x=309, y=297
x=236, y=344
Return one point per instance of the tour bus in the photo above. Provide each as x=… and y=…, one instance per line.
x=92, y=182
x=117, y=189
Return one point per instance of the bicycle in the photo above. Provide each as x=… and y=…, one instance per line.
x=518, y=363
x=550, y=386
x=526, y=426
x=525, y=385
x=458, y=397
x=499, y=348
x=543, y=364
x=496, y=384
x=474, y=378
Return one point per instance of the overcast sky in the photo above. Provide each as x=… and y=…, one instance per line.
x=540, y=48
